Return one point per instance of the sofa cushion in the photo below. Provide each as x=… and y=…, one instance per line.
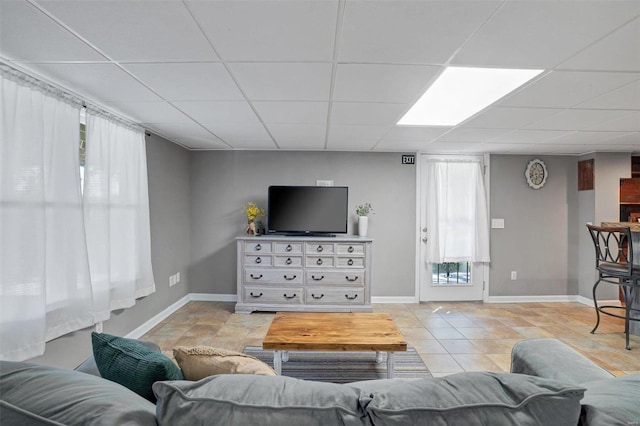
x=613, y=401
x=244, y=399
x=203, y=361
x=132, y=364
x=89, y=365
x=32, y=394
x=553, y=359
x=476, y=399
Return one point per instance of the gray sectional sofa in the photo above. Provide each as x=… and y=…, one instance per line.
x=550, y=384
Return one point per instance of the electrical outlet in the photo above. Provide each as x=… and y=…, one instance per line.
x=177, y=277
x=514, y=275
x=324, y=183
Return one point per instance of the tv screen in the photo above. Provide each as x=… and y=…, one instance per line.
x=307, y=209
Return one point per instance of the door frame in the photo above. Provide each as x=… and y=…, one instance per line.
x=418, y=198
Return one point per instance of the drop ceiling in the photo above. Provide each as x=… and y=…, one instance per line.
x=338, y=74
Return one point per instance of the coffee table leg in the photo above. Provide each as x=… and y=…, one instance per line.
x=285, y=356
x=277, y=362
x=378, y=357
x=390, y=359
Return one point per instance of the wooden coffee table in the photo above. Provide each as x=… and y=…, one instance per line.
x=311, y=331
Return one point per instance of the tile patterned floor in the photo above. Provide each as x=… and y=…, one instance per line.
x=450, y=337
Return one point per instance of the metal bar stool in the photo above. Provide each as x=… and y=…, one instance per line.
x=615, y=266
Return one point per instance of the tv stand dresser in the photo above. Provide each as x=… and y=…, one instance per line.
x=307, y=274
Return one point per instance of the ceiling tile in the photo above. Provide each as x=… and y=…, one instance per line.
x=403, y=32
x=101, y=82
x=219, y=111
x=630, y=139
x=530, y=136
x=626, y=97
x=627, y=123
x=587, y=138
x=372, y=114
x=309, y=136
x=27, y=34
x=188, y=81
x=292, y=112
x=269, y=30
x=191, y=135
x=242, y=135
x=505, y=118
x=136, y=31
x=349, y=137
x=619, y=51
x=150, y=112
x=452, y=147
x=563, y=89
x=576, y=119
x=284, y=81
x=521, y=33
x=382, y=83
x=465, y=134
x=414, y=133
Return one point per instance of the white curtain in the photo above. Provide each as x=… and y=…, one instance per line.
x=457, y=217
x=45, y=289
x=116, y=208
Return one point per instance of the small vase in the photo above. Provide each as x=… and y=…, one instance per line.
x=363, y=225
x=251, y=227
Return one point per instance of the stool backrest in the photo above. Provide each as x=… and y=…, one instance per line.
x=613, y=245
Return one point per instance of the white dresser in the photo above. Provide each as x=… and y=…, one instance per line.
x=314, y=274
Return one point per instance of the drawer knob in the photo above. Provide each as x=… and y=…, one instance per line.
x=350, y=249
x=354, y=297
x=317, y=297
x=256, y=277
x=319, y=249
x=350, y=262
x=355, y=278
x=293, y=277
x=289, y=248
x=319, y=262
x=320, y=278
x=255, y=295
x=288, y=261
x=258, y=260
x=258, y=247
x=289, y=297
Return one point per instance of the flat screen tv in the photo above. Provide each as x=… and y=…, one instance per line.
x=307, y=210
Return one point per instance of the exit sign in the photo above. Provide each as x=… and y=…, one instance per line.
x=409, y=159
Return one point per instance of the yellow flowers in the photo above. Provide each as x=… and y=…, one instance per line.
x=252, y=211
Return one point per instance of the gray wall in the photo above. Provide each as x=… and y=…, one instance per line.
x=539, y=239
x=168, y=173
x=222, y=182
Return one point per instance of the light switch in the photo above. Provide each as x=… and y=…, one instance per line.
x=497, y=223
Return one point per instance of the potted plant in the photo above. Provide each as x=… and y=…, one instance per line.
x=363, y=211
x=252, y=211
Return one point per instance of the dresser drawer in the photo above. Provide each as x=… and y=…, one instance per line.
x=288, y=261
x=258, y=260
x=272, y=295
x=350, y=262
x=257, y=247
x=334, y=296
x=343, y=278
x=318, y=248
x=351, y=249
x=273, y=276
x=319, y=261
x=292, y=248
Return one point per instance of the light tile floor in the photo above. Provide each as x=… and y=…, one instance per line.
x=450, y=337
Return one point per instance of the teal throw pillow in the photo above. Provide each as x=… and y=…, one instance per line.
x=131, y=364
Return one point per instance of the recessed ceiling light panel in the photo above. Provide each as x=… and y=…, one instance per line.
x=460, y=92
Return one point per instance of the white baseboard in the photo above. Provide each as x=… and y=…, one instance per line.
x=532, y=299
x=162, y=315
x=589, y=302
x=394, y=299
